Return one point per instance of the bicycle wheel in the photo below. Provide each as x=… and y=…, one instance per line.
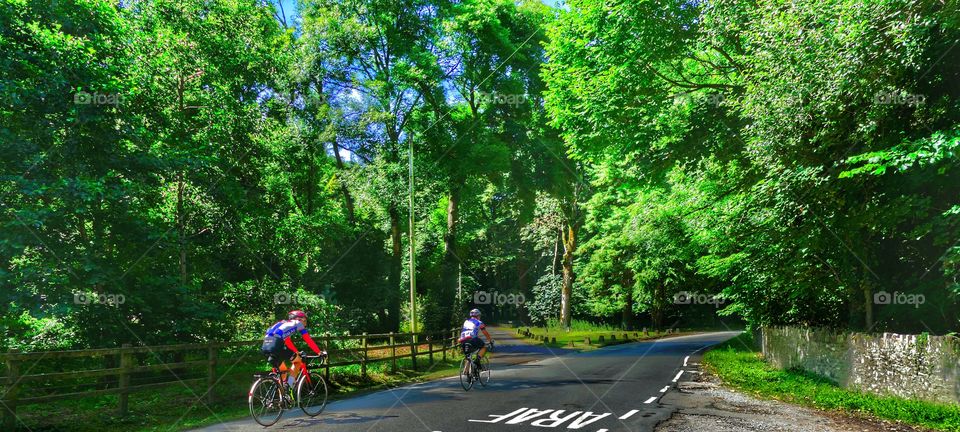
x=312, y=394
x=484, y=372
x=466, y=373
x=266, y=402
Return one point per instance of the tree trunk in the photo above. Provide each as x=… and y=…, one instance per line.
x=347, y=199
x=554, y=266
x=867, y=302
x=627, y=316
x=181, y=231
x=450, y=259
x=396, y=261
x=566, y=294
x=656, y=313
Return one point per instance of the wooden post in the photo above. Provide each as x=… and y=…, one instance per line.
x=413, y=350
x=393, y=353
x=430, y=347
x=444, y=346
x=126, y=363
x=211, y=371
x=363, y=360
x=10, y=399
x=326, y=368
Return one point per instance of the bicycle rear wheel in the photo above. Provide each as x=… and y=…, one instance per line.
x=265, y=400
x=466, y=373
x=484, y=372
x=312, y=394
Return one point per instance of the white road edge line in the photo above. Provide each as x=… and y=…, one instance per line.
x=650, y=400
x=628, y=414
x=678, y=376
x=685, y=361
x=664, y=389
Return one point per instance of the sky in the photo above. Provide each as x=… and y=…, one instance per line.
x=289, y=6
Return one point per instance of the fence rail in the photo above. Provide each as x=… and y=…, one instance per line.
x=16, y=381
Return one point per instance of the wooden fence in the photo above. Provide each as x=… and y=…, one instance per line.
x=117, y=380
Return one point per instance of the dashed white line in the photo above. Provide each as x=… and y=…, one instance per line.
x=664, y=389
x=685, y=361
x=650, y=400
x=628, y=414
x=678, y=376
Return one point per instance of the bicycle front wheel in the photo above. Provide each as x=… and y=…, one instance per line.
x=312, y=394
x=466, y=373
x=484, y=372
x=266, y=401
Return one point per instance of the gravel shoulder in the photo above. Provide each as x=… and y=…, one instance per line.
x=704, y=405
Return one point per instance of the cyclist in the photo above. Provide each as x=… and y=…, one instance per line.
x=470, y=339
x=278, y=347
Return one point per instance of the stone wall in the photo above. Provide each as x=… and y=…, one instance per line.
x=907, y=366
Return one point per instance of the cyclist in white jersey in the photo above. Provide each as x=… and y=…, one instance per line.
x=470, y=338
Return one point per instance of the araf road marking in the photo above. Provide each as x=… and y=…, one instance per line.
x=678, y=376
x=664, y=389
x=628, y=414
x=685, y=361
x=578, y=419
x=653, y=398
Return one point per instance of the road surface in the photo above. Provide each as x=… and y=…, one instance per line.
x=617, y=388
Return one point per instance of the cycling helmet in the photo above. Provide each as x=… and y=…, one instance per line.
x=475, y=313
x=296, y=314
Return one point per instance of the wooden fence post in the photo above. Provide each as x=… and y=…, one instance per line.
x=10, y=398
x=363, y=360
x=326, y=369
x=126, y=363
x=393, y=353
x=430, y=346
x=445, y=347
x=211, y=371
x=413, y=350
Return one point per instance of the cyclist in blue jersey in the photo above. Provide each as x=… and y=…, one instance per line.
x=470, y=338
x=278, y=347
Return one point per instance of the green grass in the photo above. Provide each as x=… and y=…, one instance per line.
x=175, y=408
x=579, y=331
x=740, y=366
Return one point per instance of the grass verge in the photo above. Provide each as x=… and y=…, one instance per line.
x=579, y=332
x=740, y=366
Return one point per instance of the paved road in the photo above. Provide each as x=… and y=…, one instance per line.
x=612, y=389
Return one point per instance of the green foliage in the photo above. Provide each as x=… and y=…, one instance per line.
x=718, y=138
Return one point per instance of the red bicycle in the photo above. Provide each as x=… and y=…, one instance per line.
x=271, y=395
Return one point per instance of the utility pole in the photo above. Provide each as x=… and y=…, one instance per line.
x=413, y=254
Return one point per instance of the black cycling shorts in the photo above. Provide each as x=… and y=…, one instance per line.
x=472, y=344
x=276, y=351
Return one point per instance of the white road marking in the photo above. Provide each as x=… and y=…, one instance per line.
x=650, y=400
x=678, y=376
x=664, y=389
x=628, y=414
x=685, y=361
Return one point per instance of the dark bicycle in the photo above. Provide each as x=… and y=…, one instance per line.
x=470, y=374
x=270, y=395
